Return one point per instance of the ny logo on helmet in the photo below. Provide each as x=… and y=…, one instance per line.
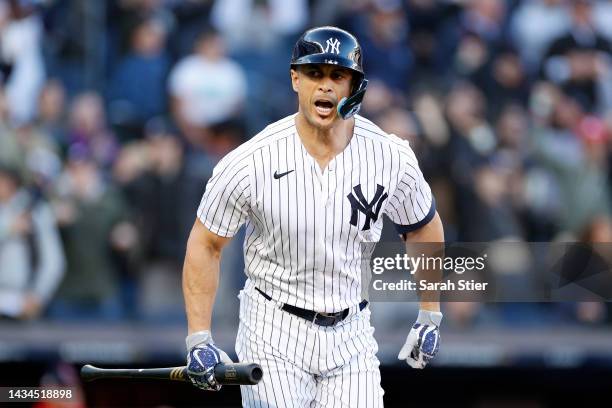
x=333, y=46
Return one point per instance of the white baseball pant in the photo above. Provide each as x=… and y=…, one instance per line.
x=304, y=364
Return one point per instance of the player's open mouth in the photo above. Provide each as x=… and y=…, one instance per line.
x=324, y=107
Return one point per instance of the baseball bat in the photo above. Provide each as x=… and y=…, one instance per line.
x=225, y=374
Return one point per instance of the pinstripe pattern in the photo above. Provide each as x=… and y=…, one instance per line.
x=304, y=230
x=300, y=247
x=306, y=365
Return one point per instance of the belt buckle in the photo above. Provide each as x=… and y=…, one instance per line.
x=335, y=316
x=314, y=318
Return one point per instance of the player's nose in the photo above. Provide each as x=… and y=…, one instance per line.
x=325, y=84
x=325, y=88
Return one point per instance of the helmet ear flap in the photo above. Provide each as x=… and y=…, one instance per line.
x=348, y=107
x=356, y=82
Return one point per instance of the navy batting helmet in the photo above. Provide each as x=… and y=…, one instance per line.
x=334, y=46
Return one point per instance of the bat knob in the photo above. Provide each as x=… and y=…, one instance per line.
x=89, y=372
x=256, y=374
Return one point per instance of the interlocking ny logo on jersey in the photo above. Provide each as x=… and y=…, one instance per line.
x=333, y=46
x=360, y=203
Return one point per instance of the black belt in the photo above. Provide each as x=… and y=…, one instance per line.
x=322, y=319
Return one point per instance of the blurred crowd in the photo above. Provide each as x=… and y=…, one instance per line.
x=113, y=114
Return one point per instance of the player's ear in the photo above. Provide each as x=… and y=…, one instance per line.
x=294, y=79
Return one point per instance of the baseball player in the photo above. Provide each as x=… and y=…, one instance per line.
x=310, y=188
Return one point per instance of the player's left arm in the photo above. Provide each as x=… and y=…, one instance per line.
x=423, y=341
x=412, y=208
x=429, y=240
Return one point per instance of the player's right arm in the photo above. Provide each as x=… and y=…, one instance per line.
x=223, y=209
x=201, y=275
x=200, y=282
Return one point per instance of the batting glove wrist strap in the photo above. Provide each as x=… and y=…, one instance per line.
x=428, y=317
x=197, y=338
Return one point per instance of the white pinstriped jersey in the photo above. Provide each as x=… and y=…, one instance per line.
x=304, y=225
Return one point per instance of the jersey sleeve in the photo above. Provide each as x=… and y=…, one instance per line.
x=226, y=201
x=412, y=205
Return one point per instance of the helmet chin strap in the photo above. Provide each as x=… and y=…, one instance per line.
x=348, y=107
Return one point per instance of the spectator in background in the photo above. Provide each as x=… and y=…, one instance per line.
x=486, y=19
x=579, y=60
x=433, y=145
x=207, y=88
x=163, y=189
x=167, y=189
x=39, y=154
x=468, y=38
x=21, y=60
x=480, y=179
x=137, y=87
x=92, y=216
x=87, y=128
x=128, y=168
x=380, y=98
x=526, y=187
x=470, y=58
x=429, y=112
x=513, y=131
x=51, y=118
x=586, y=266
x=427, y=19
x=534, y=25
x=124, y=15
x=385, y=42
x=189, y=18
x=28, y=148
x=31, y=255
x=504, y=81
x=598, y=233
x=403, y=124
x=570, y=148
x=602, y=15
x=241, y=22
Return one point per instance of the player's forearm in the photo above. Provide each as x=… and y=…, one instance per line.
x=200, y=282
x=429, y=242
x=429, y=299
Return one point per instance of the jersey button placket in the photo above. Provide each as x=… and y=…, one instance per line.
x=329, y=178
x=320, y=197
